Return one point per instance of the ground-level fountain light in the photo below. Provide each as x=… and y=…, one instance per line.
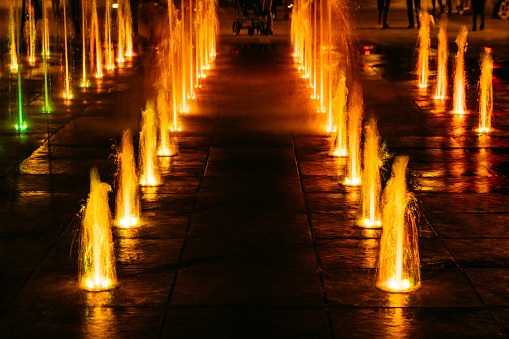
x=355, y=113
x=127, y=201
x=459, y=74
x=371, y=182
x=441, y=85
x=339, y=100
x=97, y=270
x=149, y=169
x=398, y=265
x=485, y=93
x=424, y=49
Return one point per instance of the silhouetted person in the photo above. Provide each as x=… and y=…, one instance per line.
x=383, y=10
x=434, y=10
x=410, y=12
x=477, y=9
x=267, y=10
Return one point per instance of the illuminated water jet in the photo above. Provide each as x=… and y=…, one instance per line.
x=12, y=33
x=45, y=54
x=171, y=71
x=128, y=29
x=31, y=33
x=441, y=86
x=45, y=40
x=485, y=93
x=339, y=100
x=121, y=34
x=149, y=169
x=424, y=49
x=84, y=81
x=95, y=42
x=183, y=58
x=107, y=37
x=166, y=148
x=371, y=181
x=127, y=201
x=355, y=114
x=459, y=74
x=97, y=270
x=399, y=264
x=67, y=92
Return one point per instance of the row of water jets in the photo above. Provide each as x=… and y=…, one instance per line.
x=485, y=101
x=94, y=50
x=159, y=126
x=324, y=57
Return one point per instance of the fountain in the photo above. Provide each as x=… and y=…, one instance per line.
x=45, y=19
x=441, y=87
x=191, y=94
x=13, y=50
x=183, y=58
x=459, y=74
x=424, y=47
x=372, y=186
x=107, y=36
x=95, y=39
x=166, y=149
x=21, y=125
x=45, y=54
x=339, y=107
x=84, y=81
x=121, y=34
x=354, y=137
x=97, y=270
x=67, y=92
x=31, y=33
x=149, y=170
x=314, y=47
x=198, y=29
x=172, y=57
x=128, y=29
x=485, y=93
x=212, y=30
x=322, y=66
x=399, y=264
x=127, y=201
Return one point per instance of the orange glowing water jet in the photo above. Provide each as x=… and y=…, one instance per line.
x=32, y=35
x=170, y=71
x=339, y=100
x=107, y=37
x=485, y=93
x=399, y=264
x=96, y=256
x=356, y=111
x=441, y=86
x=149, y=169
x=121, y=34
x=128, y=30
x=372, y=186
x=424, y=49
x=127, y=201
x=95, y=39
x=45, y=40
x=84, y=81
x=67, y=92
x=12, y=33
x=459, y=74
x=167, y=148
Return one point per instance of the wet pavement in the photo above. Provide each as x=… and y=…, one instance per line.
x=252, y=235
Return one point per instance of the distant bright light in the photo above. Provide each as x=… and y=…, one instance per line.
x=115, y=5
